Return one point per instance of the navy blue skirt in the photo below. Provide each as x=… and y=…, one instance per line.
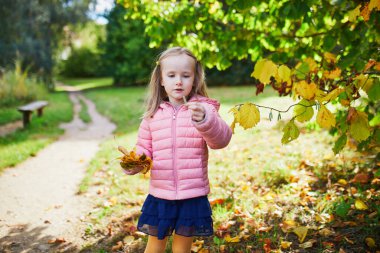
x=187, y=217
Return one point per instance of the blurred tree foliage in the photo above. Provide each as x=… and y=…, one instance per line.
x=126, y=53
x=80, y=55
x=284, y=31
x=31, y=30
x=324, y=52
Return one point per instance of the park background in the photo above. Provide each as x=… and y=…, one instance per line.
x=286, y=183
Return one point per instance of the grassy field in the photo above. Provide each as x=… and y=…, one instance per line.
x=266, y=196
x=23, y=143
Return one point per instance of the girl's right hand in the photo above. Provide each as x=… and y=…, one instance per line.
x=131, y=171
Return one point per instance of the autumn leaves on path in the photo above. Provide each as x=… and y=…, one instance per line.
x=39, y=205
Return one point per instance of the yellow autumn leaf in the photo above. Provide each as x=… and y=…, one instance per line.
x=374, y=4
x=228, y=238
x=325, y=118
x=353, y=15
x=236, y=115
x=197, y=245
x=359, y=126
x=325, y=232
x=312, y=64
x=263, y=71
x=329, y=57
x=370, y=242
x=304, y=110
x=283, y=74
x=332, y=74
x=113, y=200
x=321, y=97
x=285, y=244
x=290, y=131
x=249, y=115
x=364, y=82
x=342, y=182
x=365, y=12
x=301, y=232
x=305, y=90
x=360, y=205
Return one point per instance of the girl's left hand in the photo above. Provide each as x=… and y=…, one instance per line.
x=198, y=112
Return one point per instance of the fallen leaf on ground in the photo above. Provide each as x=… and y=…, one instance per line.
x=308, y=244
x=118, y=246
x=325, y=232
x=370, y=242
x=360, y=205
x=197, y=245
x=56, y=241
x=217, y=202
x=301, y=232
x=360, y=178
x=228, y=238
x=285, y=244
x=128, y=239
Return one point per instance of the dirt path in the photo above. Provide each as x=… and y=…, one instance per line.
x=38, y=200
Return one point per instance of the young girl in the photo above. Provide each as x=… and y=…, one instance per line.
x=175, y=134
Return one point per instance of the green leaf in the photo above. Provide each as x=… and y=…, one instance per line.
x=302, y=70
x=304, y=110
x=291, y=132
x=342, y=209
x=375, y=121
x=340, y=143
x=359, y=127
x=329, y=43
x=374, y=91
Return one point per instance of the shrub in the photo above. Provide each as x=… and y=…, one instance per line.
x=17, y=87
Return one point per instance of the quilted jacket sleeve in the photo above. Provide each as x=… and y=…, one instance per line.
x=144, y=139
x=214, y=129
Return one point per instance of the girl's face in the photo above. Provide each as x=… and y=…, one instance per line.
x=177, y=76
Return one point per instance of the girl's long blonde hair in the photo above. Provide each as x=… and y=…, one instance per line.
x=156, y=92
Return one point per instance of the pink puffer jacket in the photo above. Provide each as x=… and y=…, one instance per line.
x=178, y=147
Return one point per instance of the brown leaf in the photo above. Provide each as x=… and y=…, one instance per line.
x=267, y=245
x=265, y=229
x=369, y=65
x=109, y=230
x=360, y=178
x=325, y=232
x=308, y=244
x=57, y=241
x=365, y=13
x=118, y=246
x=197, y=245
x=217, y=202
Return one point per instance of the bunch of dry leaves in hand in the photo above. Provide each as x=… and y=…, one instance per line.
x=131, y=160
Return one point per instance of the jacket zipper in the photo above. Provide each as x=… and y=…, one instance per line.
x=174, y=151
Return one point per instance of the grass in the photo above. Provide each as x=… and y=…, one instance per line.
x=23, y=143
x=84, y=83
x=9, y=114
x=83, y=114
x=258, y=182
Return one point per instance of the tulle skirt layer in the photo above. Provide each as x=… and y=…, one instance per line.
x=187, y=217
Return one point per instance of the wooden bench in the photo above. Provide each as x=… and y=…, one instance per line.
x=27, y=110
